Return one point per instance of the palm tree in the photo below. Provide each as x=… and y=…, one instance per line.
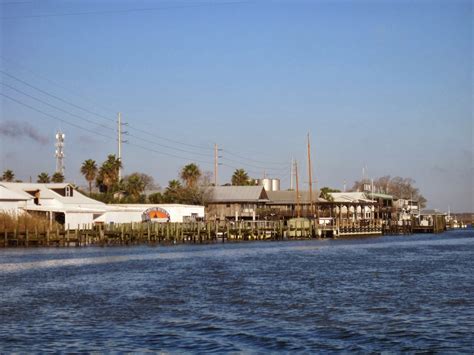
x=8, y=175
x=134, y=185
x=326, y=193
x=57, y=177
x=173, y=192
x=44, y=178
x=190, y=174
x=109, y=171
x=89, y=170
x=240, y=178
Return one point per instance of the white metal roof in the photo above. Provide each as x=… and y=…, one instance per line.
x=350, y=197
x=144, y=206
x=76, y=201
x=8, y=194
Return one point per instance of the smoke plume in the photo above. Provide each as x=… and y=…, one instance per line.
x=21, y=129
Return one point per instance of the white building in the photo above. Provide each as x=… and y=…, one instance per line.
x=127, y=213
x=64, y=204
x=353, y=205
x=10, y=201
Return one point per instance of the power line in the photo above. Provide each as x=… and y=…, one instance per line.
x=253, y=172
x=136, y=129
x=105, y=12
x=56, y=97
x=54, y=82
x=55, y=117
x=254, y=160
x=16, y=2
x=56, y=107
x=101, y=116
x=166, y=146
x=254, y=166
x=169, y=154
x=97, y=133
x=93, y=122
x=169, y=140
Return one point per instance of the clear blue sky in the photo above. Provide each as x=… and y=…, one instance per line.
x=382, y=84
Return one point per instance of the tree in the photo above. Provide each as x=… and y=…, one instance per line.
x=43, y=178
x=89, y=170
x=173, y=192
x=397, y=186
x=134, y=185
x=190, y=174
x=240, y=178
x=57, y=177
x=326, y=193
x=109, y=173
x=156, y=197
x=148, y=181
x=8, y=175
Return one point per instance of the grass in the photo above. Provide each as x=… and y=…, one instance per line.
x=22, y=222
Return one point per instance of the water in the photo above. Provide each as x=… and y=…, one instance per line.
x=400, y=293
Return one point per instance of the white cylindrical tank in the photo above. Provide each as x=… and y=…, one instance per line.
x=275, y=184
x=266, y=183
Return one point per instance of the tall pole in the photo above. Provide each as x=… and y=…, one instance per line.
x=291, y=173
x=310, y=176
x=119, y=133
x=60, y=152
x=297, y=192
x=215, y=164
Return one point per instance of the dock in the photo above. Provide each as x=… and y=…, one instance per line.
x=191, y=233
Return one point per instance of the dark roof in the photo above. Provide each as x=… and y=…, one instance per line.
x=224, y=194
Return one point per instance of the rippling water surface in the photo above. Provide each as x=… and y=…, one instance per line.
x=403, y=293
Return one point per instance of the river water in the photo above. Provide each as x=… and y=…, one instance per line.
x=396, y=293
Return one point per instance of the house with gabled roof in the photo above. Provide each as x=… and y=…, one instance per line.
x=68, y=206
x=235, y=202
x=59, y=201
x=285, y=203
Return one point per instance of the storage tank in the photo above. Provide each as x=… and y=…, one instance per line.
x=275, y=184
x=266, y=183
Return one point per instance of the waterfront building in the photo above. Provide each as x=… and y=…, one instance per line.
x=66, y=205
x=350, y=206
x=235, y=202
x=285, y=204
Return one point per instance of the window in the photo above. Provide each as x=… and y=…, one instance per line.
x=68, y=191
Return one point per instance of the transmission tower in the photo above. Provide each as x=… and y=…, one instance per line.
x=60, y=152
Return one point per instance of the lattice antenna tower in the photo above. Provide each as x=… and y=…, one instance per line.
x=60, y=152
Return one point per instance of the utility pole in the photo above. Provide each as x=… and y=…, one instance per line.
x=298, y=214
x=310, y=176
x=216, y=164
x=291, y=173
x=119, y=133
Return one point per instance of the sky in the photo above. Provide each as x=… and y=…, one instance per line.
x=382, y=85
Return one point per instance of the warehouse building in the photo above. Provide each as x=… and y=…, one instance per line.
x=67, y=206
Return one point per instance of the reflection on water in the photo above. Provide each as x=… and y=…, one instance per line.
x=404, y=293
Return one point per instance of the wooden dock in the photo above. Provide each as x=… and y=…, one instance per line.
x=190, y=232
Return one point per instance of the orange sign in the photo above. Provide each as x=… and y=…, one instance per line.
x=156, y=214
